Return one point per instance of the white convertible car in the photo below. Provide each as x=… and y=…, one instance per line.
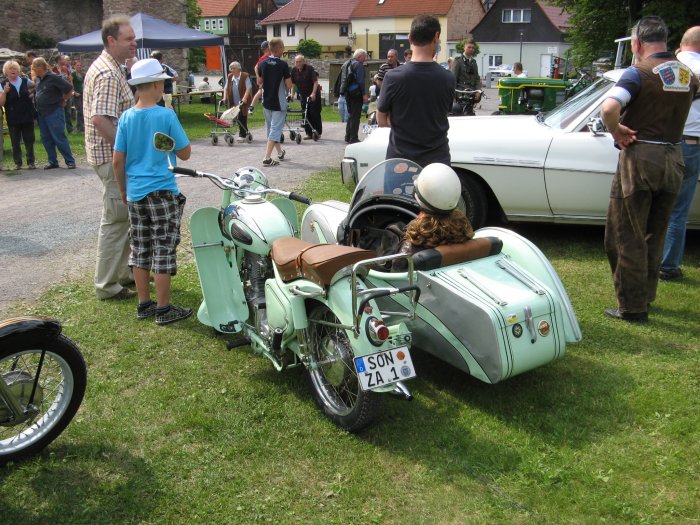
x=553, y=167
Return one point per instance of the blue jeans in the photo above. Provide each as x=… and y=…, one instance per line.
x=674, y=245
x=52, y=129
x=343, y=108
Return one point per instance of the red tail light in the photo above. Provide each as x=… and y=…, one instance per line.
x=377, y=331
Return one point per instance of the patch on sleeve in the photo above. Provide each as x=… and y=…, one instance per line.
x=674, y=75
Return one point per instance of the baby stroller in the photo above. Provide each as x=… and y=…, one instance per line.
x=227, y=124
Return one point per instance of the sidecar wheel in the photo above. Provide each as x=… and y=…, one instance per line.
x=332, y=375
x=58, y=393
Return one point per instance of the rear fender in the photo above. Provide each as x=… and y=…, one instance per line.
x=321, y=220
x=224, y=306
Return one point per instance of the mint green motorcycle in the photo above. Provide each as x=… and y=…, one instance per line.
x=298, y=303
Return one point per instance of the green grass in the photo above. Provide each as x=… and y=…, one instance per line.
x=175, y=429
x=192, y=118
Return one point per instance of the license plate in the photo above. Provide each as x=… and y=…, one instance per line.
x=384, y=368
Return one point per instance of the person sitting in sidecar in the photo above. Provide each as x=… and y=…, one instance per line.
x=437, y=190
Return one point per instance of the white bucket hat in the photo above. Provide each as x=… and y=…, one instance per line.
x=147, y=70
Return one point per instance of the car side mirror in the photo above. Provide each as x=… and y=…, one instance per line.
x=596, y=126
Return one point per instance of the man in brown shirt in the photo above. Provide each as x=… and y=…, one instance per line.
x=106, y=95
x=645, y=113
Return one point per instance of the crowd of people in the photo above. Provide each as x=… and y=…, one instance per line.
x=116, y=103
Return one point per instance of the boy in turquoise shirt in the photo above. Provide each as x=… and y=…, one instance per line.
x=150, y=191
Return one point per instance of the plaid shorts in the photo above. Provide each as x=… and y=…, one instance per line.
x=155, y=231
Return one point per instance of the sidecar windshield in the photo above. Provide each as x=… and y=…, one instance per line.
x=391, y=178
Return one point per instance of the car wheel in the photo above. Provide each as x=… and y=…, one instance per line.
x=475, y=200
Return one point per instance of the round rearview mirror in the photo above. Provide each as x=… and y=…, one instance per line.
x=163, y=142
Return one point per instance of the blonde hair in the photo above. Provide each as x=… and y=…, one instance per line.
x=428, y=230
x=10, y=63
x=40, y=62
x=276, y=43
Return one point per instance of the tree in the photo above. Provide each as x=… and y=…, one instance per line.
x=195, y=55
x=309, y=48
x=460, y=47
x=595, y=24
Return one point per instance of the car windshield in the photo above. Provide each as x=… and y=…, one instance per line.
x=561, y=116
x=393, y=177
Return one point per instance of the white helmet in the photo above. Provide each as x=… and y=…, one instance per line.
x=437, y=188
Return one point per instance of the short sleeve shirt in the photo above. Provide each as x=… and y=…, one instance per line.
x=147, y=168
x=274, y=71
x=106, y=93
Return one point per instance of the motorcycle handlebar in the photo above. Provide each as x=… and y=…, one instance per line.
x=299, y=198
x=184, y=171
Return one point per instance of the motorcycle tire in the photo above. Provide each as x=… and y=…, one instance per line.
x=332, y=375
x=58, y=394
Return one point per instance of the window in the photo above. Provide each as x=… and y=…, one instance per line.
x=276, y=30
x=259, y=9
x=495, y=60
x=516, y=16
x=206, y=25
x=221, y=23
x=343, y=30
x=290, y=29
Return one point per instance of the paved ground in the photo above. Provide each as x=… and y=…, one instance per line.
x=49, y=220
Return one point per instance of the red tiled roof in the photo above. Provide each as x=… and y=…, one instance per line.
x=557, y=15
x=400, y=8
x=312, y=11
x=216, y=7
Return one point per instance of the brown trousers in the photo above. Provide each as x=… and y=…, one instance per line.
x=642, y=196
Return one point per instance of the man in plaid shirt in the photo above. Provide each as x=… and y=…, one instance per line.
x=106, y=95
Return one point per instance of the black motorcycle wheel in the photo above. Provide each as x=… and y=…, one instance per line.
x=58, y=394
x=332, y=374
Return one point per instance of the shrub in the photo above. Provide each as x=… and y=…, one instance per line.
x=309, y=48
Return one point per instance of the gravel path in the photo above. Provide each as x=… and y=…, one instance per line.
x=49, y=219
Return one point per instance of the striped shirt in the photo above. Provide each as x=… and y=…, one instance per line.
x=106, y=93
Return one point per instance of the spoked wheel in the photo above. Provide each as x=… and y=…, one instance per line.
x=58, y=393
x=332, y=374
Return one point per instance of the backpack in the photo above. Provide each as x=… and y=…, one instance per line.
x=346, y=83
x=338, y=88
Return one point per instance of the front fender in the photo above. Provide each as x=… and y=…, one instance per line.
x=29, y=329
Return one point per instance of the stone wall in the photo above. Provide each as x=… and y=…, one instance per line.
x=60, y=20
x=51, y=19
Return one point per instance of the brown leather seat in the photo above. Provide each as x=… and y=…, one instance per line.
x=295, y=259
x=449, y=254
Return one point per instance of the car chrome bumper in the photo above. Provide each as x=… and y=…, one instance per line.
x=348, y=173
